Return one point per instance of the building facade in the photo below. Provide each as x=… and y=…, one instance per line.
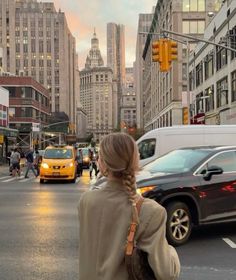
x=81, y=123
x=212, y=71
x=116, y=59
x=37, y=42
x=96, y=94
x=144, y=24
x=128, y=103
x=29, y=108
x=163, y=91
x=7, y=135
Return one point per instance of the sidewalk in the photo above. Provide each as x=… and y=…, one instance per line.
x=4, y=169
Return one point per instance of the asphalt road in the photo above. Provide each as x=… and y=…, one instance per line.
x=39, y=235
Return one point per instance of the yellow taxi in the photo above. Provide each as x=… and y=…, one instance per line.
x=59, y=163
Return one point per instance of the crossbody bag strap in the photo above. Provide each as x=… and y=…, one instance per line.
x=132, y=229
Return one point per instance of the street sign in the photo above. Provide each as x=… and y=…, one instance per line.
x=1, y=139
x=35, y=127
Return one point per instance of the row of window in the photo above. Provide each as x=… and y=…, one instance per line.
x=27, y=112
x=193, y=5
x=205, y=101
x=214, y=61
x=27, y=92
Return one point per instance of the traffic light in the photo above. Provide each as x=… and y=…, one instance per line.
x=160, y=53
x=156, y=51
x=172, y=49
x=185, y=115
x=165, y=63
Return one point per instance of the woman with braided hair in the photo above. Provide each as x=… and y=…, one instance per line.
x=105, y=215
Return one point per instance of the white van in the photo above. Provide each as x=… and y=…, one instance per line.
x=157, y=142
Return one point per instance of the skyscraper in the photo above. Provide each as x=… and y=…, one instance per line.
x=37, y=42
x=144, y=23
x=96, y=93
x=116, y=57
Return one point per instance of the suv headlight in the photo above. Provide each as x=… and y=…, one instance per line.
x=145, y=189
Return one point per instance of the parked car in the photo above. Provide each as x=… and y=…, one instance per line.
x=196, y=185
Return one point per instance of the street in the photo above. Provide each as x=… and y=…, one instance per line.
x=39, y=235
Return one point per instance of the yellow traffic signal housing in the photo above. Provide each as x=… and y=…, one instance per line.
x=156, y=51
x=165, y=63
x=160, y=53
x=172, y=49
x=185, y=115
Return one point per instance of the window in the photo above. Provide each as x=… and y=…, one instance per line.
x=193, y=26
x=232, y=37
x=225, y=160
x=222, y=92
x=147, y=148
x=12, y=112
x=233, y=86
x=193, y=6
x=26, y=112
x=221, y=57
x=209, y=66
x=199, y=74
x=210, y=100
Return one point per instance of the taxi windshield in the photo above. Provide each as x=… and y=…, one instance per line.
x=58, y=154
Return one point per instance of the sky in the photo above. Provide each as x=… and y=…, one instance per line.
x=83, y=15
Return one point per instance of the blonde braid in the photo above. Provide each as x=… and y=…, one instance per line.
x=130, y=184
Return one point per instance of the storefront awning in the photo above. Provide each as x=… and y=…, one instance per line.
x=8, y=131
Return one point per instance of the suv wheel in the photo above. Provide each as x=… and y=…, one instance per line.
x=179, y=223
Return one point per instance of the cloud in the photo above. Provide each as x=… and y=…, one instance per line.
x=82, y=16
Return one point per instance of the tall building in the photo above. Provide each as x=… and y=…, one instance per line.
x=116, y=58
x=96, y=93
x=37, y=42
x=144, y=24
x=128, y=103
x=163, y=91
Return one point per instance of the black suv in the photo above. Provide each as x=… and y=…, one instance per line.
x=196, y=186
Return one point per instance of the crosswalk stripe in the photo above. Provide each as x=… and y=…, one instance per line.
x=25, y=180
x=1, y=178
x=9, y=180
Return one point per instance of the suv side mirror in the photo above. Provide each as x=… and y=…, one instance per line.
x=212, y=170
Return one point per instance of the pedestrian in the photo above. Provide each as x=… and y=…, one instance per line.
x=93, y=163
x=15, y=161
x=105, y=215
x=37, y=162
x=80, y=163
x=9, y=153
x=30, y=163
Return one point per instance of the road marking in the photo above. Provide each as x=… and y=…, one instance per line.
x=229, y=242
x=25, y=180
x=9, y=180
x=1, y=178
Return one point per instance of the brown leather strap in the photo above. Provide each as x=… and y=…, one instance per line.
x=132, y=229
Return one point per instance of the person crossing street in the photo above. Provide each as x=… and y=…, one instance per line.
x=30, y=163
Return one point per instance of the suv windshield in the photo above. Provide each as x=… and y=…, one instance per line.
x=177, y=161
x=58, y=154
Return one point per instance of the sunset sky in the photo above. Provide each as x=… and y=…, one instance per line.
x=83, y=16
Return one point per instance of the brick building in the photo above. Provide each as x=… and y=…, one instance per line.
x=28, y=106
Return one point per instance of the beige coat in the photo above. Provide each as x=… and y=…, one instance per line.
x=104, y=217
